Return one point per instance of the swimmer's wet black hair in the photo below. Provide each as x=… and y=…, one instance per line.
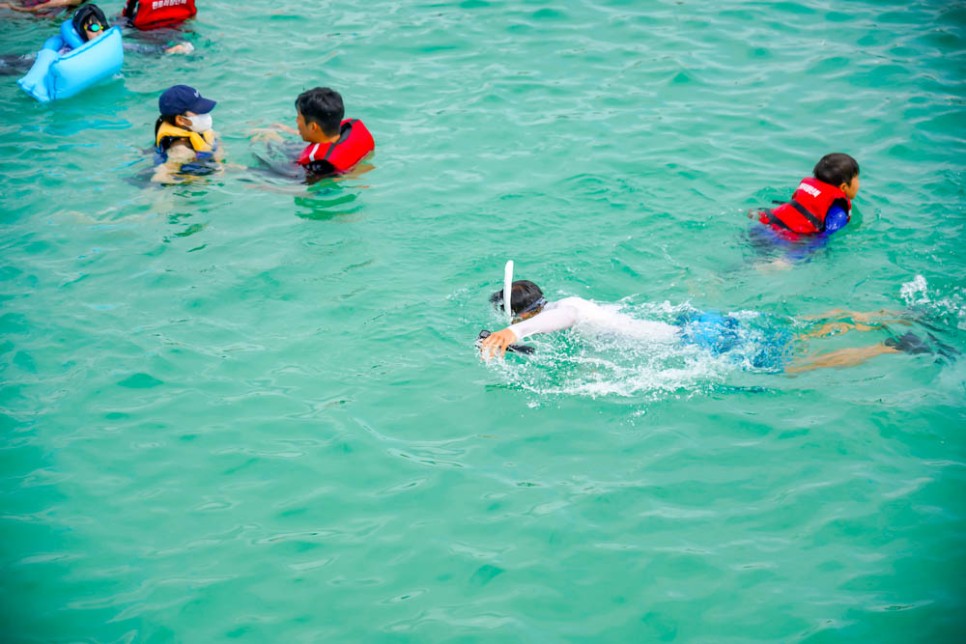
x=836, y=168
x=523, y=295
x=85, y=16
x=323, y=106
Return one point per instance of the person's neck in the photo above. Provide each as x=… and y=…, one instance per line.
x=324, y=138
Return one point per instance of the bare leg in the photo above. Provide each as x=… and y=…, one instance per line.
x=834, y=328
x=842, y=358
x=858, y=316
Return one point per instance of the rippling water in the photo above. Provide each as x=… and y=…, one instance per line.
x=241, y=408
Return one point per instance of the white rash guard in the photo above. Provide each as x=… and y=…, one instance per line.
x=577, y=312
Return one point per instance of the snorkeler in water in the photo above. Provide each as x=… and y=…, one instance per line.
x=720, y=334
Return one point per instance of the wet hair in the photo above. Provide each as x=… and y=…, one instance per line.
x=85, y=16
x=322, y=106
x=836, y=168
x=170, y=120
x=523, y=296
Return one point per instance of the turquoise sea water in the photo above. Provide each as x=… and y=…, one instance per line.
x=240, y=408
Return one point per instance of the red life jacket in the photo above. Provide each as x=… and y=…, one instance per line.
x=805, y=213
x=352, y=147
x=154, y=14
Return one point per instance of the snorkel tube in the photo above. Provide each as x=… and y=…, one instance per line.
x=507, y=287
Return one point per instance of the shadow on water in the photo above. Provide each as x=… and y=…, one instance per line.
x=320, y=199
x=327, y=200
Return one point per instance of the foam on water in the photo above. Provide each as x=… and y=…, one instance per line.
x=628, y=353
x=945, y=308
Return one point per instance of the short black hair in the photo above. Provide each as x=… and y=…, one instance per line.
x=323, y=106
x=836, y=168
x=523, y=295
x=85, y=16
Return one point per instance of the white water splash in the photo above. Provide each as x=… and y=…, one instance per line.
x=629, y=356
x=946, y=308
x=915, y=292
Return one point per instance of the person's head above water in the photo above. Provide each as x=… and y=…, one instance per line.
x=89, y=22
x=320, y=113
x=526, y=299
x=840, y=170
x=185, y=107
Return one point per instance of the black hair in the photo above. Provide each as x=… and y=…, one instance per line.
x=84, y=16
x=170, y=120
x=523, y=295
x=323, y=106
x=836, y=168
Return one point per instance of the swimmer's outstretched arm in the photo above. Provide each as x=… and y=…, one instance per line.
x=547, y=321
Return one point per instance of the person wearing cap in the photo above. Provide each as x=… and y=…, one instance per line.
x=184, y=140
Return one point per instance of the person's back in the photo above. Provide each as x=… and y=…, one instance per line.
x=593, y=318
x=156, y=15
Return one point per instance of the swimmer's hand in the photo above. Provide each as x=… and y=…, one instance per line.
x=181, y=48
x=266, y=134
x=285, y=128
x=496, y=344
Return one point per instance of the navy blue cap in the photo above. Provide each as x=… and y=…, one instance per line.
x=181, y=98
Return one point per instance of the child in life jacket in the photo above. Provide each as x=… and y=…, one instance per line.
x=821, y=204
x=185, y=143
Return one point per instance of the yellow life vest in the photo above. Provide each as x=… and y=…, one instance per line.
x=204, y=142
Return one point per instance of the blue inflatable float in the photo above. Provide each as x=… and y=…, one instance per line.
x=55, y=75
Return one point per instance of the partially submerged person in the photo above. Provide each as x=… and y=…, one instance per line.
x=185, y=143
x=87, y=23
x=717, y=333
x=336, y=145
x=83, y=53
x=156, y=24
x=822, y=203
x=151, y=14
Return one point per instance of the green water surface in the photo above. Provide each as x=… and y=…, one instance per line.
x=242, y=408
